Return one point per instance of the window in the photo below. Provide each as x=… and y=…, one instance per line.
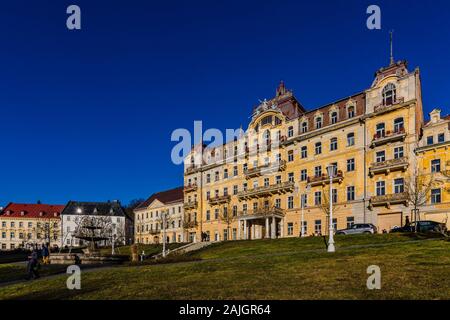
x=225, y=191
x=235, y=209
x=318, y=171
x=381, y=188
x=244, y=207
x=389, y=94
x=255, y=205
x=334, y=223
x=304, y=152
x=318, y=226
x=12, y=224
x=351, y=165
x=436, y=165
x=435, y=196
x=3, y=235
x=30, y=224
x=225, y=212
x=266, y=182
x=216, y=213
x=429, y=140
x=266, y=120
x=304, y=127
x=351, y=112
x=225, y=173
x=20, y=224
x=333, y=144
x=350, y=139
x=305, y=227
x=398, y=125
x=350, y=193
x=318, y=147
x=291, y=177
x=334, y=195
x=278, y=158
x=290, y=132
x=380, y=130
x=398, y=152
x=225, y=234
x=208, y=195
x=317, y=198
x=216, y=176
x=290, y=229
x=290, y=202
x=318, y=122
x=399, y=185
x=380, y=156
x=245, y=167
x=303, y=175
x=244, y=186
x=12, y=235
x=290, y=155
x=278, y=203
x=235, y=171
x=208, y=178
x=350, y=222
x=235, y=190
x=334, y=117
x=278, y=179
x=441, y=137
x=304, y=200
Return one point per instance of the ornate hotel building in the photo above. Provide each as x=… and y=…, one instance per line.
x=251, y=187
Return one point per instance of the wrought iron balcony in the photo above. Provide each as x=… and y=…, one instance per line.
x=190, y=187
x=382, y=107
x=190, y=205
x=190, y=224
x=263, y=191
x=388, y=166
x=262, y=212
x=219, y=200
x=324, y=179
x=155, y=231
x=388, y=199
x=190, y=169
x=265, y=169
x=389, y=136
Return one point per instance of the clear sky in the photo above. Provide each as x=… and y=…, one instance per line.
x=87, y=115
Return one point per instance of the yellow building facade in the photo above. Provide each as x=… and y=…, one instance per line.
x=251, y=187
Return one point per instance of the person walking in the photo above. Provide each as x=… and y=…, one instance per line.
x=32, y=266
x=45, y=254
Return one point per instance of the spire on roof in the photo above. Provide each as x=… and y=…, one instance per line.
x=281, y=89
x=392, y=51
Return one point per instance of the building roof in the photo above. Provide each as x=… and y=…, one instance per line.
x=94, y=208
x=166, y=197
x=24, y=210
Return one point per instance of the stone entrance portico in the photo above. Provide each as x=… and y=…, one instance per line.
x=260, y=224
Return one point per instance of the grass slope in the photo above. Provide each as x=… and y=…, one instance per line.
x=412, y=268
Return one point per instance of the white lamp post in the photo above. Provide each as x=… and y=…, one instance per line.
x=164, y=219
x=331, y=172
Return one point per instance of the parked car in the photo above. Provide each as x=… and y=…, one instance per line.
x=359, y=228
x=422, y=226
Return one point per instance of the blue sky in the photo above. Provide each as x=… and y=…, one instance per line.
x=88, y=114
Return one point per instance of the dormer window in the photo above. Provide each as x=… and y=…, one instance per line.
x=304, y=127
x=334, y=117
x=22, y=213
x=40, y=213
x=351, y=112
x=389, y=94
x=318, y=122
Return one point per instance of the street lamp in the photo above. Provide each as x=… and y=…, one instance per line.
x=331, y=173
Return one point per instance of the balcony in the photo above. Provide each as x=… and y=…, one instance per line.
x=382, y=107
x=265, y=169
x=190, y=224
x=264, y=191
x=324, y=179
x=219, y=200
x=262, y=212
x=388, y=166
x=190, y=169
x=388, y=199
x=388, y=137
x=190, y=205
x=190, y=188
x=155, y=231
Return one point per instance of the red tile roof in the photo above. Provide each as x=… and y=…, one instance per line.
x=43, y=211
x=166, y=197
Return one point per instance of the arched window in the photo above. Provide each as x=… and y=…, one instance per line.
x=398, y=125
x=389, y=94
x=334, y=117
x=318, y=122
x=351, y=112
x=304, y=127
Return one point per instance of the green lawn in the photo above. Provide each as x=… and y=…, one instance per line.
x=149, y=249
x=411, y=268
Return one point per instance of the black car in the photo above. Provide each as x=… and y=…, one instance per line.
x=423, y=227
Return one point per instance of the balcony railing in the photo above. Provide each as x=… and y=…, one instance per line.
x=155, y=231
x=382, y=107
x=265, y=169
x=388, y=199
x=219, y=200
x=324, y=179
x=389, y=136
x=257, y=192
x=190, y=169
x=190, y=224
x=262, y=212
x=190, y=187
x=388, y=166
x=190, y=205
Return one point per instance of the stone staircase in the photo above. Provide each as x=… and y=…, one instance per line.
x=190, y=247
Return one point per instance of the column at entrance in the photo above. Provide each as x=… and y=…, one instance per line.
x=281, y=228
x=274, y=227
x=239, y=229
x=267, y=228
x=245, y=230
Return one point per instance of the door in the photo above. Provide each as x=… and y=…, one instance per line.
x=386, y=221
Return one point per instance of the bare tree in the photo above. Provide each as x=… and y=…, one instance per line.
x=227, y=217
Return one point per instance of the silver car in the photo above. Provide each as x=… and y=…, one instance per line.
x=359, y=228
